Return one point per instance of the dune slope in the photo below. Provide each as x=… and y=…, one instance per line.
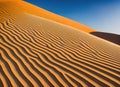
x=32, y=9
x=37, y=52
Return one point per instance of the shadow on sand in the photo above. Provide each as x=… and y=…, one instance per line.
x=108, y=36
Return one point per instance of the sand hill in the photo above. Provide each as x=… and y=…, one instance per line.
x=115, y=38
x=29, y=8
x=39, y=52
x=32, y=9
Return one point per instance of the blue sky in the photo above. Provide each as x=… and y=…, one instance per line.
x=102, y=15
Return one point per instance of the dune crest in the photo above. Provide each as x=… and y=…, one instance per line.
x=32, y=9
x=38, y=52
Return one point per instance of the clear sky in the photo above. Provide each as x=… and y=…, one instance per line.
x=102, y=15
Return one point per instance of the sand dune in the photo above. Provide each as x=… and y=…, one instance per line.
x=115, y=38
x=29, y=8
x=38, y=52
x=32, y=9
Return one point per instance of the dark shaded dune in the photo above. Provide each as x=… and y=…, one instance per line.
x=108, y=36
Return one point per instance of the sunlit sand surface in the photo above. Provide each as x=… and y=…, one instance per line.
x=39, y=52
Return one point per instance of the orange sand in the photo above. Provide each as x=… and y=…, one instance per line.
x=32, y=9
x=38, y=52
x=46, y=14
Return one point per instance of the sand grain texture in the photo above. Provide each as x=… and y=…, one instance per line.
x=38, y=52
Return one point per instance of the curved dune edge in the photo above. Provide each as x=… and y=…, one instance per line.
x=37, y=52
x=32, y=9
x=114, y=38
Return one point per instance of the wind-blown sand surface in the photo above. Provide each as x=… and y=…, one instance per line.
x=37, y=52
x=32, y=9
